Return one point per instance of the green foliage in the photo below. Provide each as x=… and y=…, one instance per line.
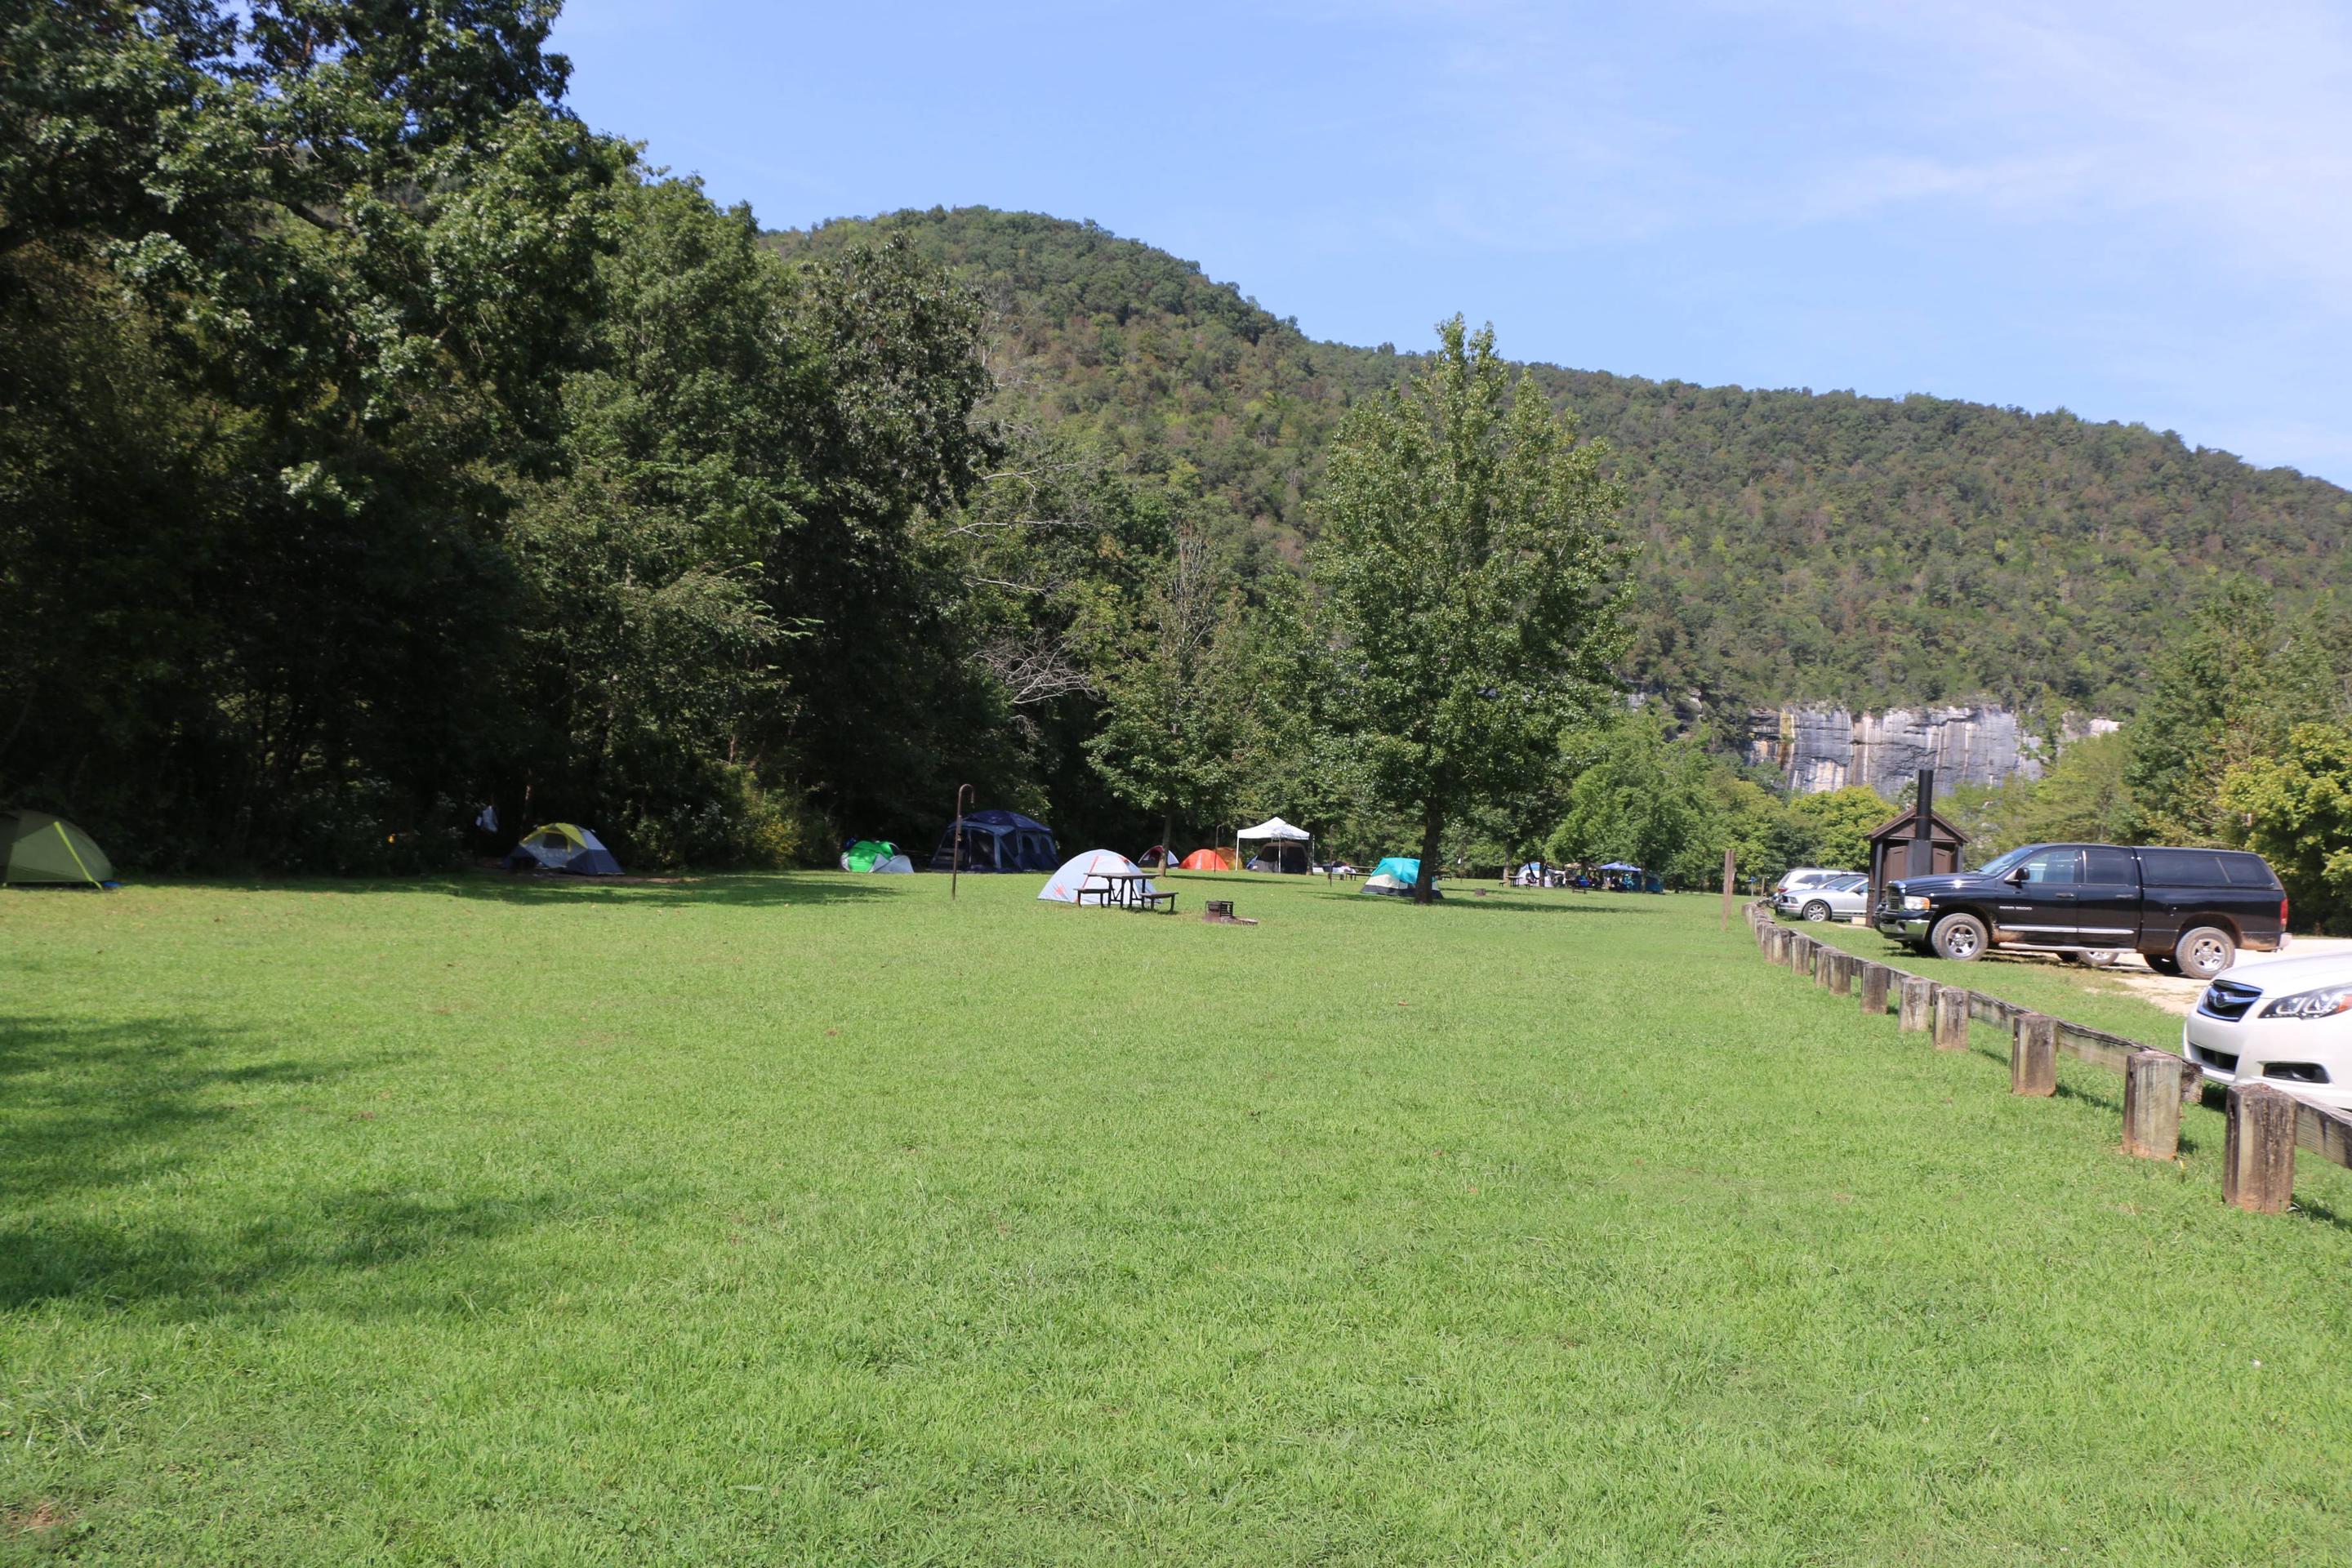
x=2293, y=806
x=1791, y=546
x=1647, y=799
x=1466, y=562
x=1839, y=824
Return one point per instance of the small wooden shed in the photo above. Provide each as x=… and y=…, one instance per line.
x=1890, y=850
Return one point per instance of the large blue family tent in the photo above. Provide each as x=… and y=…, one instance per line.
x=998, y=841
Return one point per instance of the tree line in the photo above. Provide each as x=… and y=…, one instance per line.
x=382, y=443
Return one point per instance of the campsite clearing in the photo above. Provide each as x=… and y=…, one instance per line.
x=817, y=1218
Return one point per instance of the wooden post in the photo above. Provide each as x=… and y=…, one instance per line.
x=1729, y=864
x=2258, y=1149
x=1800, y=953
x=2152, y=1105
x=1951, y=1017
x=1825, y=962
x=1874, y=980
x=2034, y=1055
x=1918, y=1004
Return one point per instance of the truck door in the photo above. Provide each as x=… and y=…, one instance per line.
x=2106, y=900
x=2038, y=907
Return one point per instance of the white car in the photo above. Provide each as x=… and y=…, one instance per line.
x=1841, y=897
x=1796, y=877
x=2284, y=1021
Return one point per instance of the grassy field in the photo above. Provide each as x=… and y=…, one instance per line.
x=812, y=1219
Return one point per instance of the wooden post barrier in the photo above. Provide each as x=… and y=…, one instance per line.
x=1826, y=964
x=1918, y=1002
x=2152, y=1105
x=1775, y=947
x=1800, y=953
x=1842, y=975
x=1951, y=1017
x=2034, y=1055
x=2258, y=1149
x=1876, y=978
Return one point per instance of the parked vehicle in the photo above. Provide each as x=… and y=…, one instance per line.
x=1806, y=877
x=2187, y=911
x=2286, y=1022
x=1839, y=898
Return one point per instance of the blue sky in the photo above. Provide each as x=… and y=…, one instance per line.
x=2136, y=211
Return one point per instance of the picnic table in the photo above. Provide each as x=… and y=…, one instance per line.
x=1127, y=889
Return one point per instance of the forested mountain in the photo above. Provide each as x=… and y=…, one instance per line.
x=1793, y=545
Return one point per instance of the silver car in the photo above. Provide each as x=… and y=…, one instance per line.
x=1838, y=897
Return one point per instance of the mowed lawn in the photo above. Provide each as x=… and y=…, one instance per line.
x=814, y=1219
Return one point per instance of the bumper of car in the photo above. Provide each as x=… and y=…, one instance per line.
x=1903, y=928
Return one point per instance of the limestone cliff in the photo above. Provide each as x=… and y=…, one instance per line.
x=1819, y=749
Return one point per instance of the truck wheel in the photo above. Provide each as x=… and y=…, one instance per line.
x=1817, y=912
x=1961, y=938
x=2204, y=952
x=2091, y=958
x=2162, y=962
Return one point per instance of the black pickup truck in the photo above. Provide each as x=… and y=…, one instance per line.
x=2187, y=911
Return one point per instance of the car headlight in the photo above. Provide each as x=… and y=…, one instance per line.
x=1914, y=900
x=2324, y=1004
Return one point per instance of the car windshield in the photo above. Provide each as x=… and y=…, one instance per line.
x=2000, y=863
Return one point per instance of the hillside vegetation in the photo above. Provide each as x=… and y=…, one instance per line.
x=1794, y=545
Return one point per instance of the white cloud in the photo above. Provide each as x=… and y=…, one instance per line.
x=2232, y=126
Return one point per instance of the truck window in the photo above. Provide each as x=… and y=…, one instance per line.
x=2104, y=865
x=2183, y=868
x=2051, y=866
x=2248, y=871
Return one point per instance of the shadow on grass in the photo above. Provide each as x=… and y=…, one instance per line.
x=92, y=1109
x=744, y=889
x=92, y=1104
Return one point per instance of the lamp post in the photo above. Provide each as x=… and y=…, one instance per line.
x=955, y=862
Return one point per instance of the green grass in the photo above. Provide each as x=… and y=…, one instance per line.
x=2068, y=991
x=812, y=1219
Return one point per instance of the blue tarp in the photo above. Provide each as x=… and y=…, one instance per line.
x=1404, y=870
x=1620, y=866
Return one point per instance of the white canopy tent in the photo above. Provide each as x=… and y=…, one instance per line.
x=1277, y=831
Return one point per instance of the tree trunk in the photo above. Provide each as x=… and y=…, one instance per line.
x=1167, y=840
x=1433, y=823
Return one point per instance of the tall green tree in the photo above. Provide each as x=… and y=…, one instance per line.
x=1466, y=557
x=2293, y=806
x=1170, y=741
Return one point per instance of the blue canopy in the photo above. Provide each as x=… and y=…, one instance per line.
x=1404, y=870
x=1620, y=866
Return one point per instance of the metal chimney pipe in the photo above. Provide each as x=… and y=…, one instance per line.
x=1923, y=828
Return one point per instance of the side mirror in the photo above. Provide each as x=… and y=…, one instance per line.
x=2016, y=878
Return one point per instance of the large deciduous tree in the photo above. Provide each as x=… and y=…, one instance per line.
x=1468, y=560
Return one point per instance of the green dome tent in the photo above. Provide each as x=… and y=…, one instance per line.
x=38, y=847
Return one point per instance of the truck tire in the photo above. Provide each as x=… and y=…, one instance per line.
x=1961, y=938
x=2162, y=962
x=1817, y=912
x=2204, y=952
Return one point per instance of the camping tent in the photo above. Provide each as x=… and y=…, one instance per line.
x=1206, y=861
x=875, y=855
x=1280, y=838
x=1396, y=877
x=1404, y=870
x=1076, y=871
x=1159, y=857
x=563, y=846
x=38, y=847
x=997, y=841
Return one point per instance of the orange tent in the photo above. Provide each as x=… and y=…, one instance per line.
x=1207, y=860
